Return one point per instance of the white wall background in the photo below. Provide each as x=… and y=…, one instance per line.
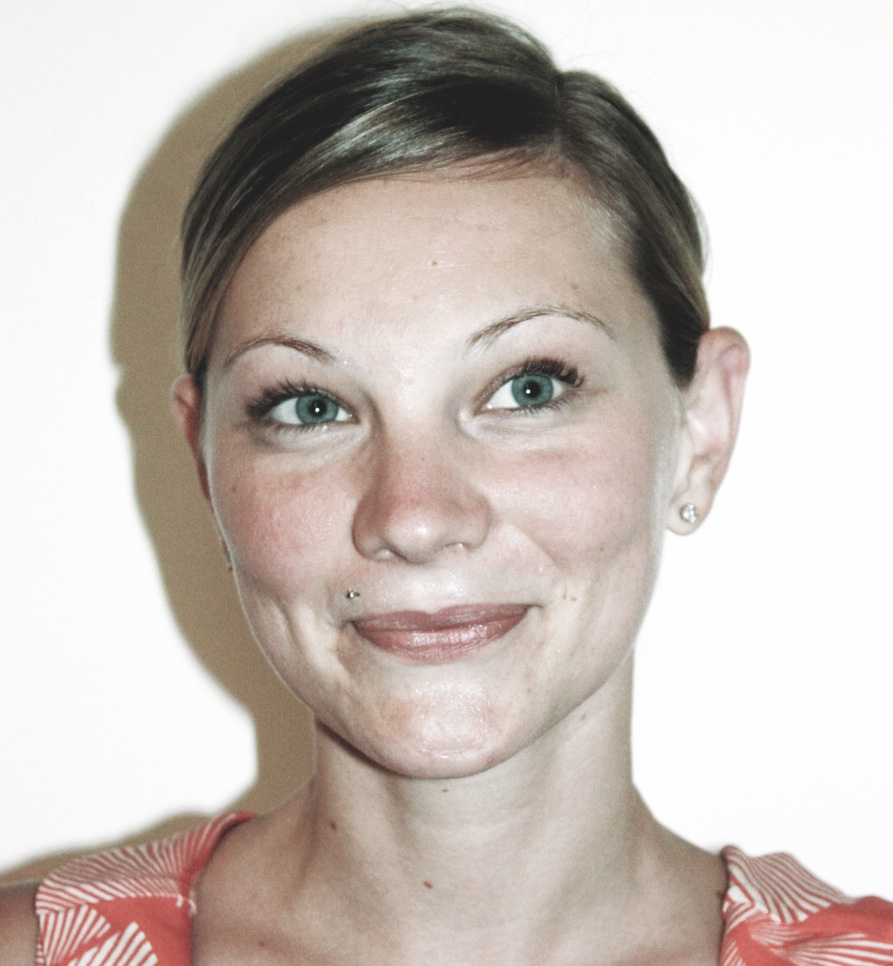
x=129, y=692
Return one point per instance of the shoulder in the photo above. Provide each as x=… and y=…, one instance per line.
x=775, y=907
x=134, y=900
x=18, y=924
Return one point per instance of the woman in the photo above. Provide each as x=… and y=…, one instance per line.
x=449, y=381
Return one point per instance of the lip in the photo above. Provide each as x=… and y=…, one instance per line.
x=443, y=635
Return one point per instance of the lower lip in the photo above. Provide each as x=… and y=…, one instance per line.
x=443, y=636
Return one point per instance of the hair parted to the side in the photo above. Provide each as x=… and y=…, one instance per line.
x=426, y=91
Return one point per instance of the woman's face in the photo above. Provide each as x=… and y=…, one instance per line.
x=448, y=395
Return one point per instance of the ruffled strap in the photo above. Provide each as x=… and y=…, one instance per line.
x=130, y=906
x=779, y=914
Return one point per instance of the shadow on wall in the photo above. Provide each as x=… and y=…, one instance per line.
x=146, y=347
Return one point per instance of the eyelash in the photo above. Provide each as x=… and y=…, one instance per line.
x=569, y=376
x=259, y=409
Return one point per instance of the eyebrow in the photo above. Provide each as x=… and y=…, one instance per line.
x=303, y=346
x=485, y=337
x=490, y=333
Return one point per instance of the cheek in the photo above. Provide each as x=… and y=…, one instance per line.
x=278, y=522
x=594, y=499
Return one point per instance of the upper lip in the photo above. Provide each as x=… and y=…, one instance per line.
x=422, y=621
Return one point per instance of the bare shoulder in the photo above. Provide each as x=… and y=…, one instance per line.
x=18, y=924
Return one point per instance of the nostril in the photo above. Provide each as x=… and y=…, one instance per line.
x=414, y=510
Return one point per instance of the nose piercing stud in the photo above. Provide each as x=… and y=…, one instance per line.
x=689, y=513
x=352, y=594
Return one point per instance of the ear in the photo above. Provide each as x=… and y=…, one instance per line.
x=712, y=405
x=186, y=406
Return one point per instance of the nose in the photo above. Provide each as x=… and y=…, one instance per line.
x=419, y=499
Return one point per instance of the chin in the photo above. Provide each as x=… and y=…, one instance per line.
x=436, y=742
x=444, y=760
x=440, y=764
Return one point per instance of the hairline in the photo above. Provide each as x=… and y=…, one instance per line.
x=523, y=162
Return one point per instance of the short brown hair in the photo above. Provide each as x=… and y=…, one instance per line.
x=426, y=91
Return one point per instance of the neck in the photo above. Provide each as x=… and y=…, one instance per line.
x=547, y=848
x=531, y=815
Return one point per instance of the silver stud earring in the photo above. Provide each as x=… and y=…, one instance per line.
x=689, y=513
x=352, y=594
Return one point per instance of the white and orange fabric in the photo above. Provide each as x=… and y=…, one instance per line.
x=134, y=907
x=778, y=914
x=131, y=906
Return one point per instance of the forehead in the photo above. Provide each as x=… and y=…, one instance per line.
x=433, y=248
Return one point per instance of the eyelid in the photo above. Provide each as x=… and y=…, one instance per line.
x=260, y=408
x=561, y=372
x=279, y=419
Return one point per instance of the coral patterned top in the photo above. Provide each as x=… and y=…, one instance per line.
x=134, y=907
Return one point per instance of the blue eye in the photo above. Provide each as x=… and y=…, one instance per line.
x=308, y=409
x=538, y=384
x=532, y=390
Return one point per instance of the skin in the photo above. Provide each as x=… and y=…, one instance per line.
x=430, y=491
x=479, y=807
x=18, y=924
x=433, y=492
x=452, y=818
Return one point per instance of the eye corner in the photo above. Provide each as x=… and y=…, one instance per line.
x=534, y=386
x=297, y=408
